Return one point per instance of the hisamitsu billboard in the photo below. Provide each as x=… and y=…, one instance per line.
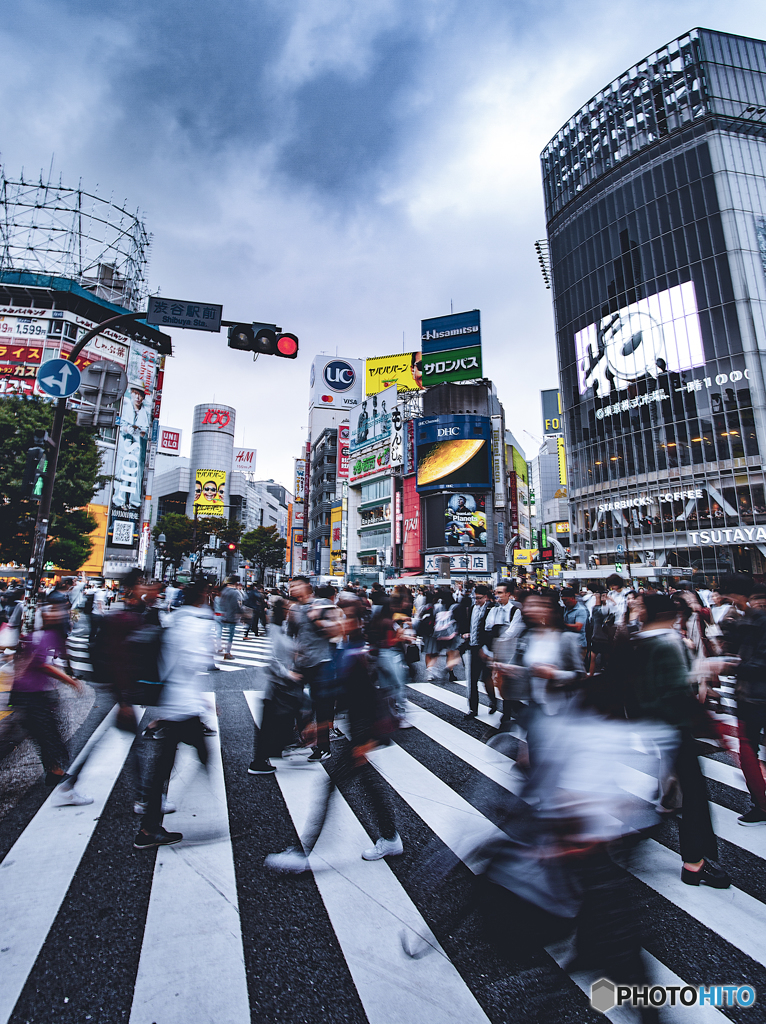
x=451, y=348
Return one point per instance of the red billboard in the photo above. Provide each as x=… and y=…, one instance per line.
x=343, y=441
x=411, y=531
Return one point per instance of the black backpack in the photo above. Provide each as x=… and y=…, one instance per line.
x=143, y=648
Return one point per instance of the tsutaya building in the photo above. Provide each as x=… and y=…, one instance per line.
x=655, y=197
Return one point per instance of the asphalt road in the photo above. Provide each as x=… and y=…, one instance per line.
x=93, y=930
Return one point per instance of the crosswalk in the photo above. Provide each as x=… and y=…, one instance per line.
x=252, y=652
x=222, y=940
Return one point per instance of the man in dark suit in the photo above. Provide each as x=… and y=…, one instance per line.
x=479, y=637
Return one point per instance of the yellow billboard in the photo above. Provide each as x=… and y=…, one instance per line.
x=209, y=488
x=562, y=461
x=524, y=556
x=404, y=369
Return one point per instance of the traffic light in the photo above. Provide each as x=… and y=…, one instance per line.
x=263, y=339
x=231, y=548
x=34, y=469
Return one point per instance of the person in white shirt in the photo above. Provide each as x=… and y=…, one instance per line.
x=617, y=598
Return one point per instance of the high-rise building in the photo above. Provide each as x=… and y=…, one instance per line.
x=655, y=194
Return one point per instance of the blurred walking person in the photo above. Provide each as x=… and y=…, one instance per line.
x=187, y=652
x=231, y=612
x=362, y=699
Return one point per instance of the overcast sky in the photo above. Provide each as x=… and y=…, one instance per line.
x=340, y=167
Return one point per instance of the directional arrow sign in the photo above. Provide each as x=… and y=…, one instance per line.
x=58, y=378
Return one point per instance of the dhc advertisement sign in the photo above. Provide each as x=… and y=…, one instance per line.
x=453, y=453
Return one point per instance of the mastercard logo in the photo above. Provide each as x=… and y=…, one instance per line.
x=327, y=398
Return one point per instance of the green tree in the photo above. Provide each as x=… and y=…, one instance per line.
x=77, y=478
x=264, y=548
x=179, y=531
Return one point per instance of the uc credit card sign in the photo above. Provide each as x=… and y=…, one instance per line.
x=451, y=348
x=453, y=453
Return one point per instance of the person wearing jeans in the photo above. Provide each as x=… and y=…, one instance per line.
x=231, y=611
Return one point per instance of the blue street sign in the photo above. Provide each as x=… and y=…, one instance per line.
x=620, y=549
x=58, y=378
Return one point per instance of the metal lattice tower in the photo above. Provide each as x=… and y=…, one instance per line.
x=66, y=232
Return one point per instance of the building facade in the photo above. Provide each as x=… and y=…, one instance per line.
x=655, y=196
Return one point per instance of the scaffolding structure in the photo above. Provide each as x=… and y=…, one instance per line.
x=46, y=228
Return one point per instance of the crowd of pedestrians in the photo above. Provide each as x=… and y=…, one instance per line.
x=577, y=679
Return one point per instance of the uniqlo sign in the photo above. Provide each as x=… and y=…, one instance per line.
x=169, y=441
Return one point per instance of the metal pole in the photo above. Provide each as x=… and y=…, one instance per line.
x=37, y=560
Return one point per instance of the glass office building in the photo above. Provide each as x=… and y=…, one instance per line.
x=655, y=197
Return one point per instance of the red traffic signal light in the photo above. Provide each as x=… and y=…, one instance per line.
x=231, y=547
x=287, y=346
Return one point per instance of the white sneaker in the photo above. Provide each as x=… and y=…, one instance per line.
x=69, y=798
x=405, y=723
x=293, y=861
x=385, y=848
x=167, y=807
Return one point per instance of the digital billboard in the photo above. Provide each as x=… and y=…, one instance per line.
x=640, y=342
x=451, y=348
x=456, y=520
x=370, y=421
x=453, y=453
x=404, y=369
x=341, y=469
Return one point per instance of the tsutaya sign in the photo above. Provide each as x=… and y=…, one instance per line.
x=731, y=535
x=645, y=499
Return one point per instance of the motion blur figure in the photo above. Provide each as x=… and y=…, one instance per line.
x=34, y=695
x=187, y=652
x=363, y=702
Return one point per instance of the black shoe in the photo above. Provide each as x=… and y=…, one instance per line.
x=452, y=677
x=319, y=755
x=755, y=816
x=471, y=714
x=709, y=874
x=492, y=705
x=144, y=841
x=261, y=768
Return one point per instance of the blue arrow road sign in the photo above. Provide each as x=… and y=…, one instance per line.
x=58, y=378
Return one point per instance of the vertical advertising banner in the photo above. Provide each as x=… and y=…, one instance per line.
x=451, y=348
x=551, y=402
x=498, y=461
x=410, y=524
x=209, y=492
x=135, y=422
x=341, y=471
x=371, y=421
x=397, y=436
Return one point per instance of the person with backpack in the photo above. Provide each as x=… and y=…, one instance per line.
x=311, y=622
x=186, y=654
x=445, y=639
x=370, y=723
x=653, y=667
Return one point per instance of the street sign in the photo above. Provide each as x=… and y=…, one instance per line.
x=192, y=316
x=620, y=549
x=58, y=378
x=103, y=384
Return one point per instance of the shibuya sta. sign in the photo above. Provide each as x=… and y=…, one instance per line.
x=647, y=499
x=730, y=535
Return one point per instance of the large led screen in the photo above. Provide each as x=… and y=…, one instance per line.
x=456, y=520
x=453, y=453
x=652, y=336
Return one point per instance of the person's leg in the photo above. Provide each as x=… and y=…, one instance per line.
x=473, y=686
x=40, y=722
x=489, y=686
x=751, y=719
x=380, y=800
x=151, y=821
x=697, y=838
x=228, y=636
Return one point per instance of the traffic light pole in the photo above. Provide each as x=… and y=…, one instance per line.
x=37, y=561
